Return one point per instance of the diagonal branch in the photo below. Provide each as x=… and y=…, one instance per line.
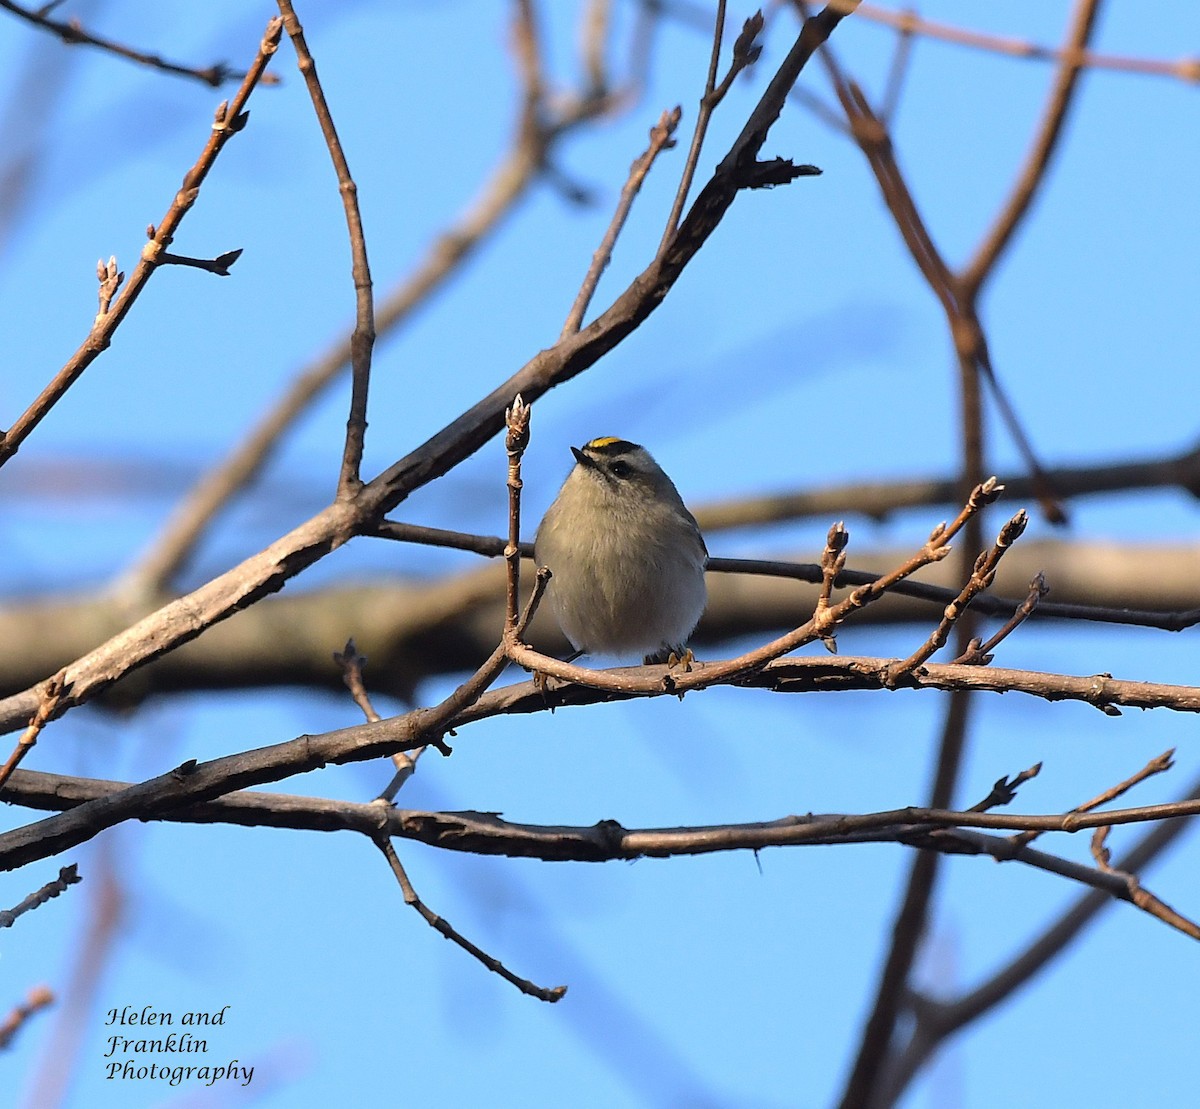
x=1037, y=161
x=444, y=928
x=67, y=876
x=981, y=578
x=73, y=33
x=182, y=620
x=38, y=998
x=909, y=23
x=229, y=120
x=1157, y=765
x=938, y=1021
x=661, y=138
x=53, y=693
x=508, y=184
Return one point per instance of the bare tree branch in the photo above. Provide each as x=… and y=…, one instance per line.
x=182, y=620
x=943, y=831
x=937, y=1021
x=193, y=782
x=539, y=127
x=416, y=629
x=362, y=339
x=910, y=23
x=444, y=928
x=67, y=876
x=73, y=33
x=40, y=997
x=1046, y=141
x=661, y=138
x=490, y=834
x=880, y=500
x=230, y=118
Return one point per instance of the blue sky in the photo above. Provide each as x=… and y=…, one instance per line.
x=798, y=349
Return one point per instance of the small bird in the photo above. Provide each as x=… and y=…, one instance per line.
x=626, y=556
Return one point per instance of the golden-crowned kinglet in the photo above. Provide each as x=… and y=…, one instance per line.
x=626, y=555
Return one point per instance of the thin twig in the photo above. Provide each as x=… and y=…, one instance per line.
x=54, y=694
x=1037, y=161
x=511, y=179
x=661, y=138
x=1004, y=791
x=515, y=442
x=910, y=23
x=981, y=579
x=352, y=663
x=897, y=70
x=67, y=876
x=937, y=1021
x=973, y=345
x=362, y=339
x=980, y=653
x=229, y=120
x=443, y=927
x=1117, y=883
x=1158, y=765
x=110, y=278
x=73, y=33
x=40, y=997
x=833, y=563
x=218, y=265
x=1142, y=898
x=435, y=723
x=745, y=53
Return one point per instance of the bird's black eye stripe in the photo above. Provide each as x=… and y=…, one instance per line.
x=620, y=468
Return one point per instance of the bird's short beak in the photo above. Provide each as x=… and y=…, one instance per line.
x=581, y=458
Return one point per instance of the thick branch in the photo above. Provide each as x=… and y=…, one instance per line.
x=195, y=782
x=182, y=620
x=413, y=630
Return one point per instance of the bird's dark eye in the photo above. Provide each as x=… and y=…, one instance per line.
x=620, y=469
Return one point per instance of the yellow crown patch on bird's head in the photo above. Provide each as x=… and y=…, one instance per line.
x=608, y=444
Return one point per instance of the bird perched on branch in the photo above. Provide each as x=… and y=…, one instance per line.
x=626, y=556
